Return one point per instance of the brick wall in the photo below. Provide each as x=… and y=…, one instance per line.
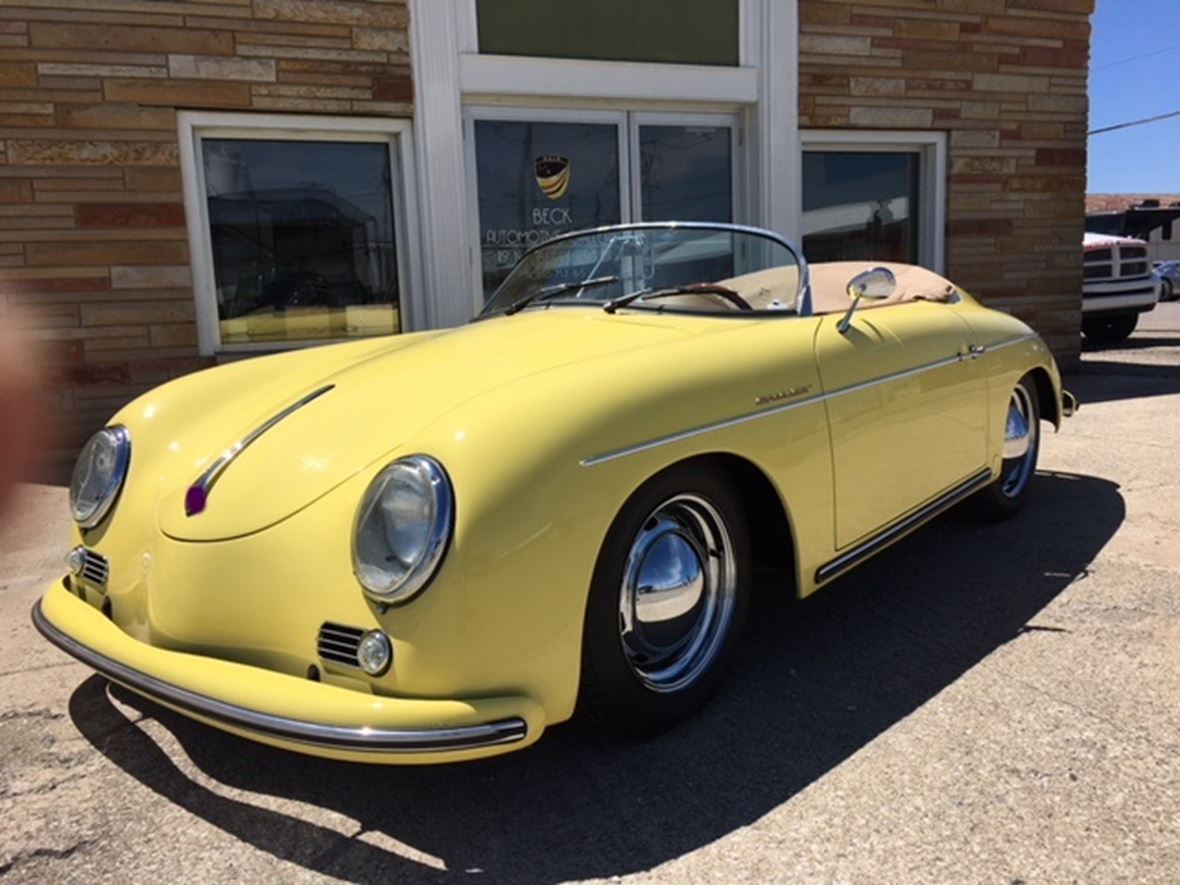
x=93, y=246
x=1007, y=80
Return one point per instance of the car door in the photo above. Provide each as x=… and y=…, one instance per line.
x=906, y=408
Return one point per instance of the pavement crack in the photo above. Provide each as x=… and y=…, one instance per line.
x=41, y=713
x=43, y=789
x=37, y=669
x=24, y=857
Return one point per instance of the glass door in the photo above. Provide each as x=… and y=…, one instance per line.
x=542, y=173
x=683, y=167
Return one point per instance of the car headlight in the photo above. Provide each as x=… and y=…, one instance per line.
x=99, y=474
x=402, y=529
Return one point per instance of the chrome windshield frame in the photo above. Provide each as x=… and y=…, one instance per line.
x=804, y=301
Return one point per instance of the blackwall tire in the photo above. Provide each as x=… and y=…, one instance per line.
x=1111, y=329
x=1008, y=493
x=667, y=602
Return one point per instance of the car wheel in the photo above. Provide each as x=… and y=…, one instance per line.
x=667, y=602
x=1169, y=291
x=1022, y=442
x=1109, y=330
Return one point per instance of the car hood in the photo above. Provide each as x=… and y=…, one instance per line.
x=378, y=399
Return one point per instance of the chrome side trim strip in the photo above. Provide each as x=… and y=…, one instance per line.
x=766, y=413
x=897, y=376
x=1012, y=341
x=198, y=493
x=369, y=740
x=697, y=431
x=843, y=563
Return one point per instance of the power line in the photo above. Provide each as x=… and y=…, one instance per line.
x=1128, y=125
x=1123, y=61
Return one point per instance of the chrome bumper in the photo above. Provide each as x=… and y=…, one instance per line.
x=331, y=737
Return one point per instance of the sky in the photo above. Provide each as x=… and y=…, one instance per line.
x=1144, y=159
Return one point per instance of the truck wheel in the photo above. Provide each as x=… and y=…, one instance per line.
x=1111, y=329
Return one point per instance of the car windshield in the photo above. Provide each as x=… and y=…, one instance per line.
x=698, y=269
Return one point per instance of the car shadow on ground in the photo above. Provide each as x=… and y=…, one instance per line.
x=1135, y=342
x=1108, y=380
x=815, y=682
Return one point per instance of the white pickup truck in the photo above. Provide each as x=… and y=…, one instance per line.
x=1118, y=284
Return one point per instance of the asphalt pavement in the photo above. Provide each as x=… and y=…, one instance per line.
x=994, y=704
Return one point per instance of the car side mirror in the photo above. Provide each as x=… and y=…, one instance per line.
x=876, y=284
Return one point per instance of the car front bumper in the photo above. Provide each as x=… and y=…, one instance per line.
x=283, y=710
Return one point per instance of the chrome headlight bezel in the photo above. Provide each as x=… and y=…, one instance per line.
x=421, y=571
x=89, y=514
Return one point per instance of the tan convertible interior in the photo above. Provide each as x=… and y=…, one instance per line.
x=829, y=285
x=775, y=288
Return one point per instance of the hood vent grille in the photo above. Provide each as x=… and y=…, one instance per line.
x=95, y=569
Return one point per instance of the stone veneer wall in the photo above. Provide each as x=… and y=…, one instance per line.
x=93, y=245
x=1007, y=80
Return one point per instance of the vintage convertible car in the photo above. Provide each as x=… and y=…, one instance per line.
x=433, y=546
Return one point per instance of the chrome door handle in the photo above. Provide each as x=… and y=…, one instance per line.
x=973, y=352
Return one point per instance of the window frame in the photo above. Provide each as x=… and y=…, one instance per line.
x=931, y=148
x=451, y=75
x=196, y=126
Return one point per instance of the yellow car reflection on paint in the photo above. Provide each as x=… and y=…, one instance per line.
x=431, y=547
x=310, y=323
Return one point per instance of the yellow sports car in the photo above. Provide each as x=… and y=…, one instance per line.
x=430, y=547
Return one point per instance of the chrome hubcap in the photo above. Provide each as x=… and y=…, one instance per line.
x=677, y=597
x=1016, y=432
x=1020, y=444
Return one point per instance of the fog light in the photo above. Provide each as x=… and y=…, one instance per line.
x=76, y=560
x=374, y=653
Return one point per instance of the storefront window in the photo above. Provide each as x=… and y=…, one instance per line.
x=861, y=205
x=537, y=180
x=703, y=32
x=686, y=173
x=302, y=238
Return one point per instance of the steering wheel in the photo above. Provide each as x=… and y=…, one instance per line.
x=723, y=291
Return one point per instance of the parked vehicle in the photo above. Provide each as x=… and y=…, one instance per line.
x=1118, y=285
x=432, y=547
x=1169, y=272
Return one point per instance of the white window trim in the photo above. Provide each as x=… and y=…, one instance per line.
x=931, y=148
x=481, y=75
x=487, y=74
x=449, y=73
x=195, y=125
